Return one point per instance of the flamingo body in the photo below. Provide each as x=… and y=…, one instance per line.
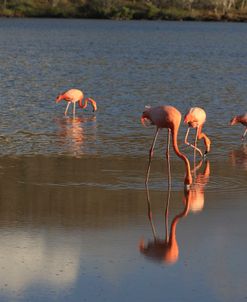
x=166, y=117
x=163, y=116
x=195, y=118
x=73, y=96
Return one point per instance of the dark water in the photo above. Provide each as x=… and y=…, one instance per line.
x=74, y=220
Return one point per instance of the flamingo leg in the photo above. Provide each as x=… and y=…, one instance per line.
x=151, y=153
x=66, y=110
x=244, y=134
x=74, y=110
x=168, y=157
x=169, y=183
x=189, y=144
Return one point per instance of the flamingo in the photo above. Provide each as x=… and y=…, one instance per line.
x=195, y=118
x=240, y=119
x=166, y=117
x=73, y=96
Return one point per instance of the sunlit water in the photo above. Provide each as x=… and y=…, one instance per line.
x=74, y=223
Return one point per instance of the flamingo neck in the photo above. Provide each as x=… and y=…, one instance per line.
x=83, y=105
x=207, y=141
x=188, y=177
x=59, y=98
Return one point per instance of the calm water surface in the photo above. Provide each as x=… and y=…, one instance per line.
x=74, y=219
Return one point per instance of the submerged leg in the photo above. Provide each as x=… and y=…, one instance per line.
x=66, y=110
x=189, y=144
x=150, y=216
x=151, y=152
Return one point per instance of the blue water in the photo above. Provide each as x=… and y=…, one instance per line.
x=74, y=218
x=123, y=66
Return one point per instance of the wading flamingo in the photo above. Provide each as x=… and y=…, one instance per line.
x=195, y=118
x=73, y=96
x=166, y=117
x=240, y=119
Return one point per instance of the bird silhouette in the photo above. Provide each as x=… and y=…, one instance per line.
x=195, y=118
x=242, y=119
x=166, y=117
x=73, y=96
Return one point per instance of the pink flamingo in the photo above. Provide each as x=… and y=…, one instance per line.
x=242, y=119
x=195, y=118
x=166, y=117
x=73, y=96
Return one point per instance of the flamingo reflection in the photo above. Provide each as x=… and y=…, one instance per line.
x=239, y=157
x=72, y=132
x=164, y=250
x=167, y=250
x=200, y=180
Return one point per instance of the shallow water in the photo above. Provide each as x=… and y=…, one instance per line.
x=74, y=223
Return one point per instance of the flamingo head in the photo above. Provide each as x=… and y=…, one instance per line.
x=58, y=98
x=234, y=121
x=187, y=119
x=145, y=118
x=93, y=103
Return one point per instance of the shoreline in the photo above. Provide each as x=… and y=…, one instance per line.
x=182, y=16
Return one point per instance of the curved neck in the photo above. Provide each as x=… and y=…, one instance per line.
x=83, y=105
x=188, y=177
x=207, y=141
x=177, y=218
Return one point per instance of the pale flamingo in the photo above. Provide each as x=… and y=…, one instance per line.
x=195, y=118
x=166, y=117
x=242, y=119
x=73, y=96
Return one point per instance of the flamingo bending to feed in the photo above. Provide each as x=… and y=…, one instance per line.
x=240, y=119
x=73, y=96
x=195, y=118
x=166, y=117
